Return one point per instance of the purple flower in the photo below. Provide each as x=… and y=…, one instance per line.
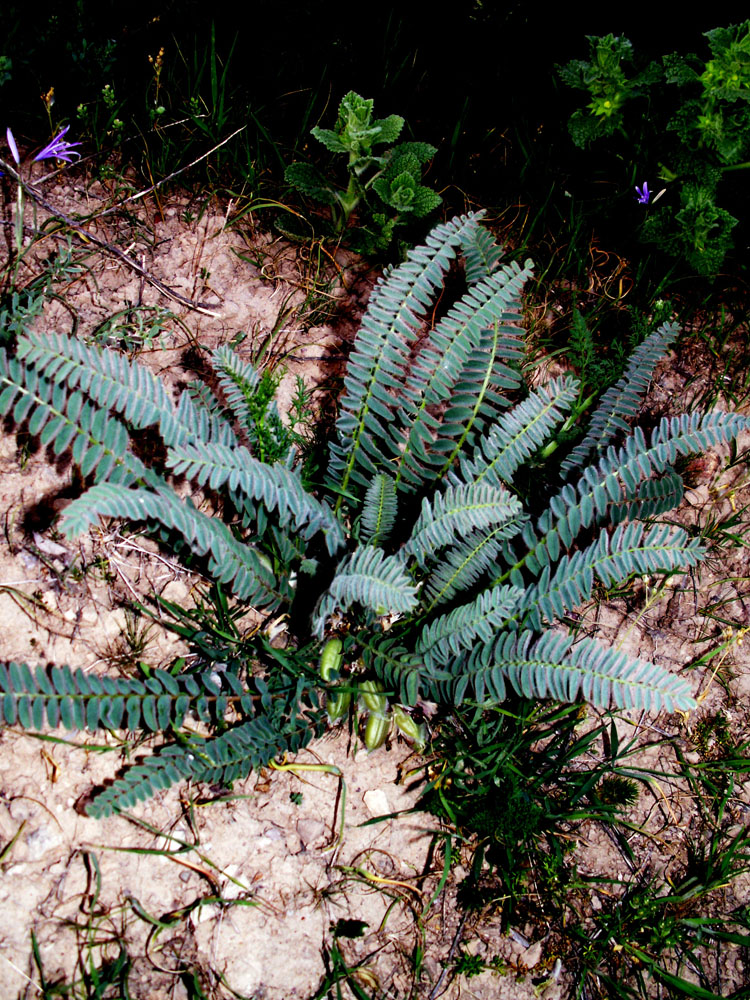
x=644, y=195
x=58, y=149
x=12, y=146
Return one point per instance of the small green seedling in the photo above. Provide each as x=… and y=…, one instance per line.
x=385, y=188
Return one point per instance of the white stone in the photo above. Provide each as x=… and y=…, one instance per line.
x=376, y=802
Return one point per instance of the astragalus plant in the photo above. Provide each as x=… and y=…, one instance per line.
x=435, y=562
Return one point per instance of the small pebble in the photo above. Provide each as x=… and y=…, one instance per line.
x=376, y=802
x=310, y=830
x=532, y=955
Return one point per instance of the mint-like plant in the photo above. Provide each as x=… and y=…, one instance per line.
x=695, y=131
x=436, y=562
x=387, y=183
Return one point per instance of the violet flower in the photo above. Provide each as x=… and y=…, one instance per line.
x=58, y=149
x=12, y=146
x=644, y=195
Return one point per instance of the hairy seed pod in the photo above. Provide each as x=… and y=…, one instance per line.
x=411, y=729
x=371, y=693
x=330, y=659
x=376, y=729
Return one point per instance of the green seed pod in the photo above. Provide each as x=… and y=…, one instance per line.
x=411, y=729
x=372, y=697
x=377, y=728
x=330, y=659
x=337, y=705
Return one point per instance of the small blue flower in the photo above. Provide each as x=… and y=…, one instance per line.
x=644, y=195
x=58, y=149
x=12, y=146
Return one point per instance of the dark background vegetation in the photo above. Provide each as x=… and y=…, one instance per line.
x=465, y=78
x=475, y=79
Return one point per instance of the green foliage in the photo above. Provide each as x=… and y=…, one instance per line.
x=621, y=401
x=378, y=510
x=84, y=701
x=437, y=553
x=519, y=778
x=519, y=781
x=220, y=760
x=101, y=119
x=101, y=975
x=250, y=397
x=6, y=69
x=697, y=128
x=598, y=363
x=338, y=972
x=699, y=231
x=385, y=188
x=468, y=965
x=661, y=931
x=605, y=77
x=18, y=311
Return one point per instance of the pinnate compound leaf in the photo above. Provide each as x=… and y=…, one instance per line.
x=277, y=487
x=221, y=760
x=453, y=634
x=452, y=515
x=632, y=548
x=379, y=510
x=230, y=561
x=556, y=666
x=85, y=701
x=518, y=434
x=107, y=377
x=622, y=401
x=380, y=359
x=615, y=480
x=371, y=578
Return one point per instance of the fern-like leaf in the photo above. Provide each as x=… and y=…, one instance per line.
x=631, y=549
x=238, y=381
x=378, y=511
x=652, y=498
x=481, y=254
x=221, y=760
x=615, y=480
x=32, y=697
x=622, y=401
x=371, y=578
x=276, y=486
x=478, y=398
x=378, y=363
x=518, y=434
x=464, y=564
x=459, y=631
x=458, y=382
x=114, y=383
x=455, y=513
x=229, y=561
x=554, y=666
x=98, y=442
x=106, y=377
